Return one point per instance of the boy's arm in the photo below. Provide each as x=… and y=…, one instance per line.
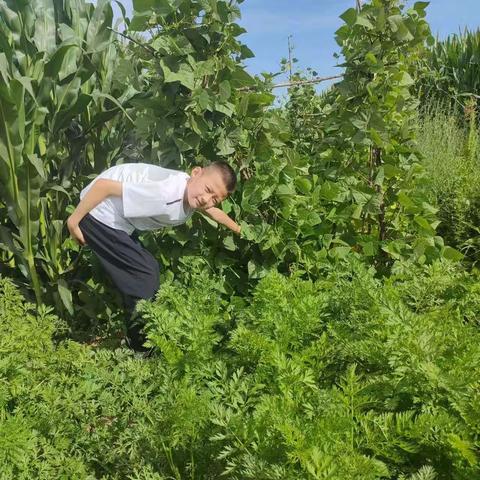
x=221, y=217
x=98, y=192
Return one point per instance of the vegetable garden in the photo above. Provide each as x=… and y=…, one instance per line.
x=336, y=338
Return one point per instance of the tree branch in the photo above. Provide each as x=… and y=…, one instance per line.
x=146, y=47
x=293, y=84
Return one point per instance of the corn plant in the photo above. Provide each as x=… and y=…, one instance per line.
x=451, y=69
x=57, y=78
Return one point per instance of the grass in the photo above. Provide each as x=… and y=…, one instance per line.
x=451, y=157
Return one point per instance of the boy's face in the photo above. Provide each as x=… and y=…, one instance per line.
x=205, y=189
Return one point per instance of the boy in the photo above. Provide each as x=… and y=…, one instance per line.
x=144, y=197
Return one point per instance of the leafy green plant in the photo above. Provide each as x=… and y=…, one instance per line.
x=450, y=71
x=56, y=94
x=347, y=365
x=305, y=200
x=349, y=376
x=451, y=158
x=372, y=185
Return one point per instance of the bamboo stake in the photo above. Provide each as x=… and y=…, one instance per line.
x=290, y=48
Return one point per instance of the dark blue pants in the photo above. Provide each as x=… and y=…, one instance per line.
x=132, y=268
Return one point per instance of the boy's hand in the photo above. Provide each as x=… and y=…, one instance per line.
x=246, y=232
x=75, y=231
x=221, y=217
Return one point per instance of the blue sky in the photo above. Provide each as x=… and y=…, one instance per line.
x=312, y=24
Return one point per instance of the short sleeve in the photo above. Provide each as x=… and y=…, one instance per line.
x=146, y=199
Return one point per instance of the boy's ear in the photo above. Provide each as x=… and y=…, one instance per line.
x=196, y=171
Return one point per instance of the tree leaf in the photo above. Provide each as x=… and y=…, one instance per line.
x=423, y=222
x=304, y=185
x=451, y=254
x=184, y=75
x=364, y=22
x=349, y=16
x=225, y=90
x=229, y=243
x=406, y=80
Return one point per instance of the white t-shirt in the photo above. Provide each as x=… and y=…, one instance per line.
x=152, y=197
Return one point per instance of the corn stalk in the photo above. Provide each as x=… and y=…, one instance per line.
x=57, y=66
x=452, y=69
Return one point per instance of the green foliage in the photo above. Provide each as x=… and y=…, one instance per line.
x=57, y=101
x=352, y=377
x=195, y=77
x=322, y=179
x=451, y=158
x=372, y=164
x=346, y=377
x=450, y=70
x=306, y=110
x=204, y=106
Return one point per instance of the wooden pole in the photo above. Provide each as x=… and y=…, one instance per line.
x=290, y=48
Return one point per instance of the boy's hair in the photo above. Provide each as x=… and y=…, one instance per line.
x=228, y=174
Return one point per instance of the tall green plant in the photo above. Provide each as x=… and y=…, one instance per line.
x=56, y=91
x=370, y=162
x=450, y=70
x=452, y=159
x=350, y=188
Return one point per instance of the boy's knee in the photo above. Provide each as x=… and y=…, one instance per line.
x=144, y=282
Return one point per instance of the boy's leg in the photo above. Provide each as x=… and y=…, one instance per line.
x=133, y=269
x=135, y=335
